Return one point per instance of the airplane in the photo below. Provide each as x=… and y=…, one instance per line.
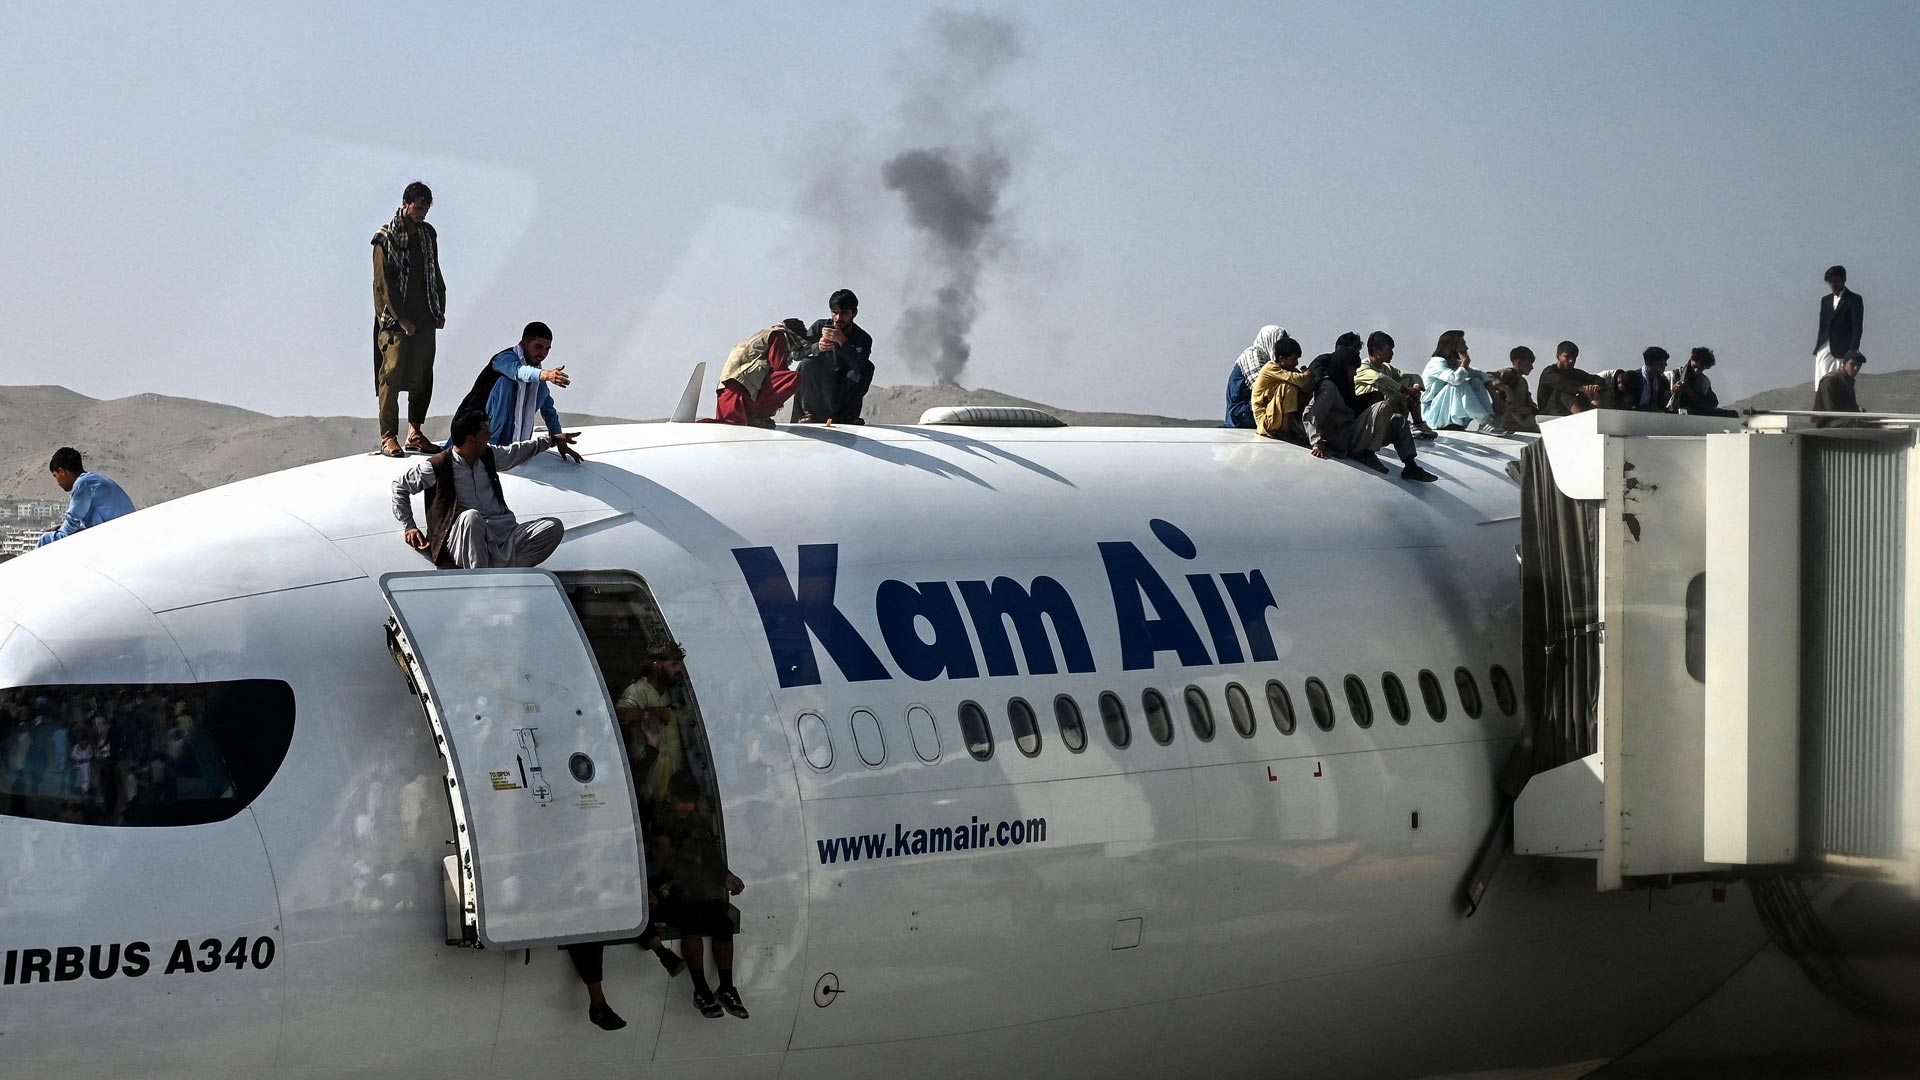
x=1040, y=751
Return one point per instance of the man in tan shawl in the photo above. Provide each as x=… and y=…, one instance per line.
x=757, y=379
x=409, y=306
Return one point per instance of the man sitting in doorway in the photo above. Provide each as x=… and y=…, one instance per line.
x=468, y=523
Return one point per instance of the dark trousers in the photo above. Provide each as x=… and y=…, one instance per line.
x=833, y=390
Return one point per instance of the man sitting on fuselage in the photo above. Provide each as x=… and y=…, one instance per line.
x=468, y=522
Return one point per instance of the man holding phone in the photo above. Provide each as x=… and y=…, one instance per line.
x=837, y=369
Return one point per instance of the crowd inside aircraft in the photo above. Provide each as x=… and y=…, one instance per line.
x=108, y=756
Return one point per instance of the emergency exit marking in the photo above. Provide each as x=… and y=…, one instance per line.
x=1270, y=777
x=1316, y=768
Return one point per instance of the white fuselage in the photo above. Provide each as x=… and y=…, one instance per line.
x=1272, y=904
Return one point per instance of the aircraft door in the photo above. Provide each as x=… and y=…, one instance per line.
x=545, y=815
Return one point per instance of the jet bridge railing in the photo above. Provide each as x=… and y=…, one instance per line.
x=1721, y=620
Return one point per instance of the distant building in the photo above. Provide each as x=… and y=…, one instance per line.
x=18, y=541
x=37, y=510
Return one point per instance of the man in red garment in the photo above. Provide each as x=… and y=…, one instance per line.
x=757, y=379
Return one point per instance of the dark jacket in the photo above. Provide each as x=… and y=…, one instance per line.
x=1560, y=390
x=1339, y=366
x=1633, y=383
x=1840, y=326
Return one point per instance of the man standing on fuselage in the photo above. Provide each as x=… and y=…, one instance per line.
x=409, y=307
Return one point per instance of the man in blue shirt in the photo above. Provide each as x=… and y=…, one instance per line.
x=512, y=389
x=92, y=498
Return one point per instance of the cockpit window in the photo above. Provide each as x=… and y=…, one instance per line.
x=141, y=756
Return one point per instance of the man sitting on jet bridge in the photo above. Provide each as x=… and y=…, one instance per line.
x=468, y=523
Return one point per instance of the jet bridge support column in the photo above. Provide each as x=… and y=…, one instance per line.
x=1749, y=643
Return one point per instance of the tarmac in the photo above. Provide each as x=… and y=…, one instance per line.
x=1769, y=1020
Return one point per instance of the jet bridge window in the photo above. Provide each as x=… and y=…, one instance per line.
x=1463, y=680
x=1073, y=730
x=1113, y=717
x=1159, y=720
x=1280, y=704
x=1433, y=696
x=974, y=731
x=146, y=755
x=1240, y=710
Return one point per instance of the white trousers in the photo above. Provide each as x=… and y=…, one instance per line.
x=528, y=544
x=1824, y=364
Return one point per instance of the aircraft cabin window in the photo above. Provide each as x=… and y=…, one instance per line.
x=1200, y=714
x=141, y=755
x=1503, y=694
x=1433, y=696
x=975, y=732
x=867, y=740
x=1280, y=704
x=1240, y=710
x=1359, y=703
x=1320, y=704
x=1396, y=695
x=816, y=743
x=1113, y=716
x=1073, y=730
x=1159, y=720
x=1025, y=728
x=1469, y=692
x=926, y=736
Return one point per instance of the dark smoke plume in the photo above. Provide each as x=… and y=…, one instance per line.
x=952, y=190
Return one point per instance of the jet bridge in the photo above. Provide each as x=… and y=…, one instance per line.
x=1722, y=634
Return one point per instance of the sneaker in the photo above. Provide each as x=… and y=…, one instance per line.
x=708, y=1007
x=606, y=1019
x=1371, y=460
x=729, y=999
x=1414, y=472
x=1425, y=433
x=672, y=961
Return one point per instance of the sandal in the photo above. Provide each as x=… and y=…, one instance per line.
x=390, y=446
x=417, y=441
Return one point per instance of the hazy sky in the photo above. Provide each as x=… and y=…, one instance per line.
x=190, y=188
